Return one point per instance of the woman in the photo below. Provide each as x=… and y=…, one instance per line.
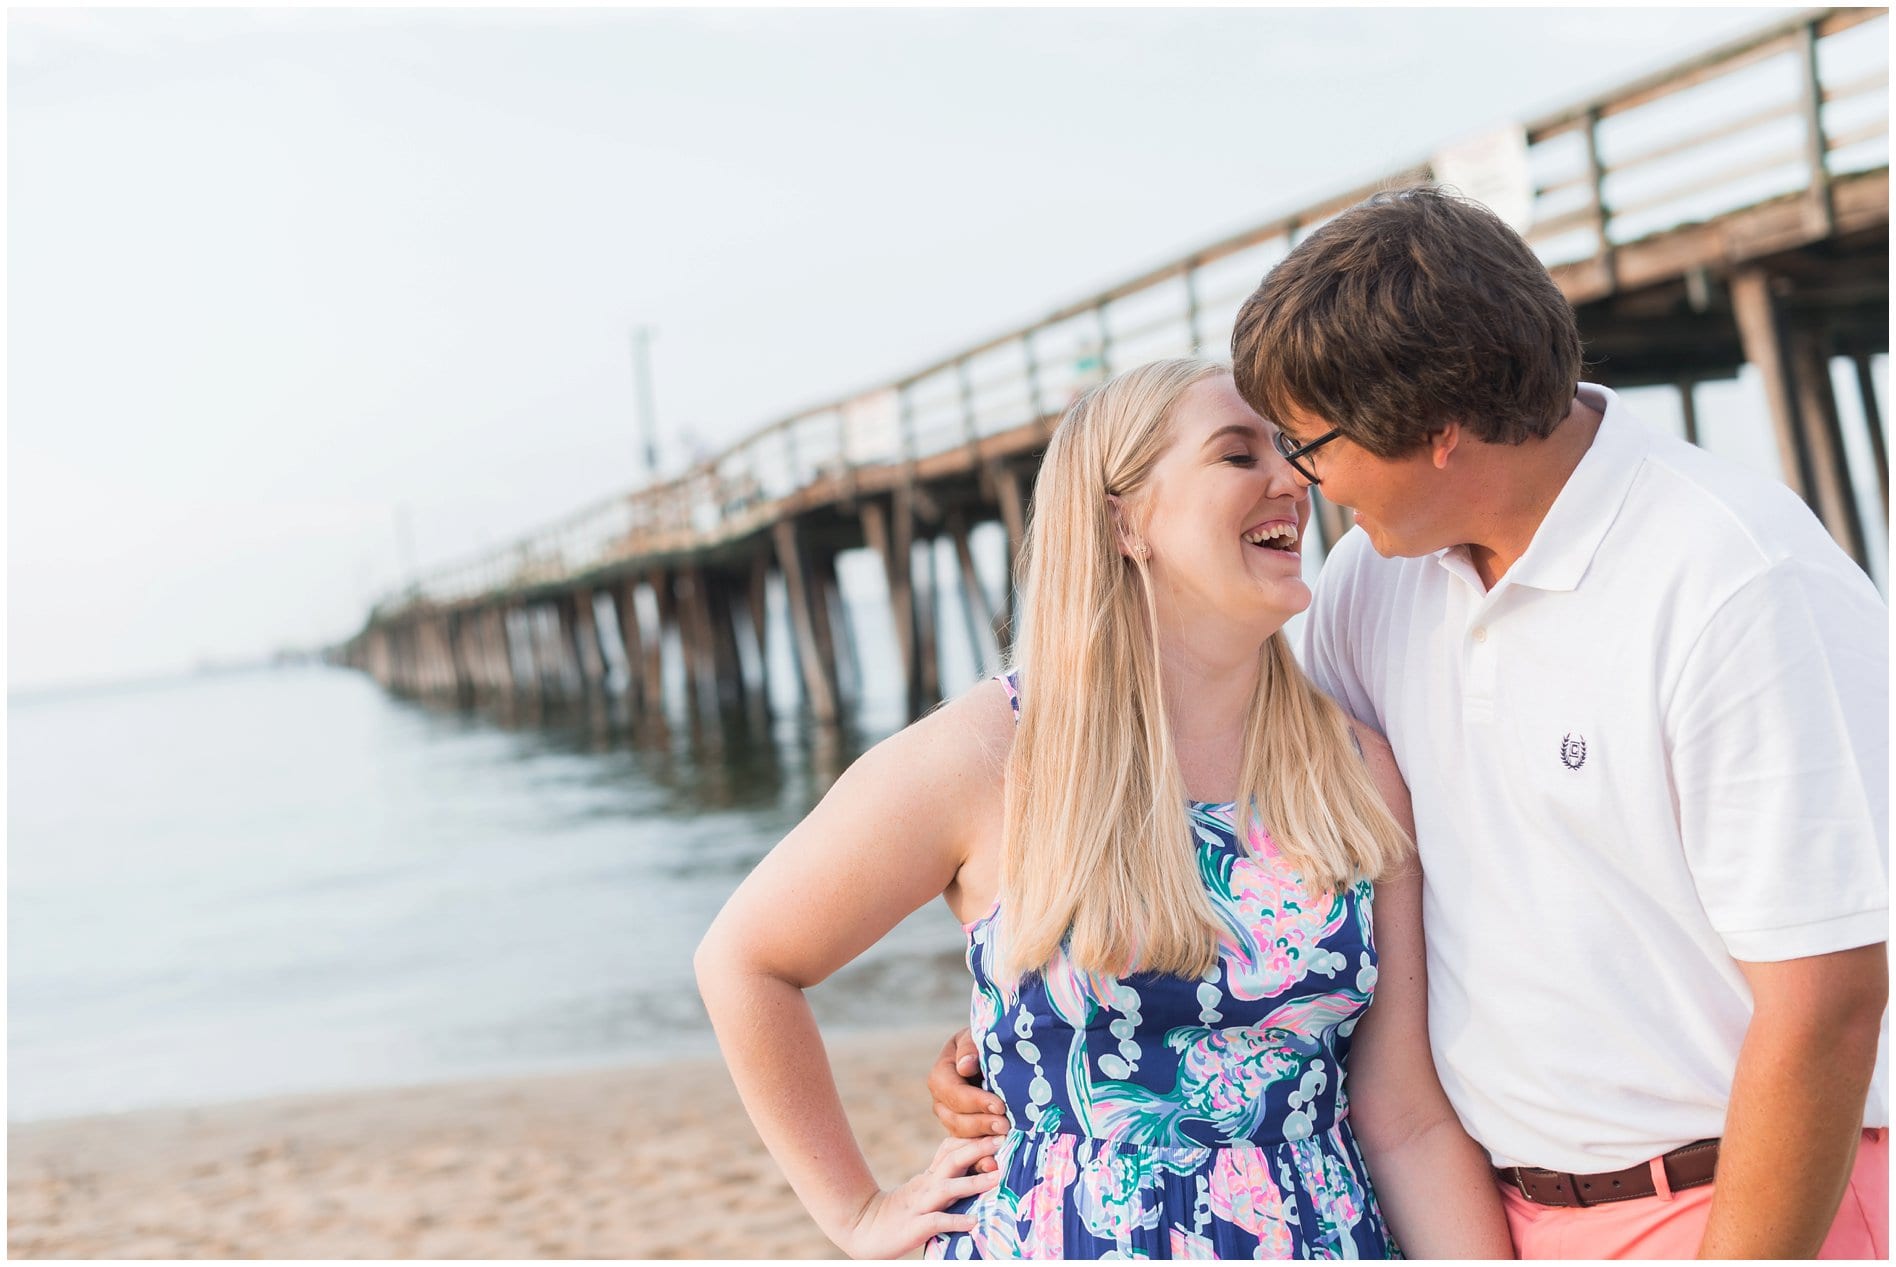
x=1167, y=994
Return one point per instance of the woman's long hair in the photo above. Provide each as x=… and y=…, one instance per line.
x=1097, y=851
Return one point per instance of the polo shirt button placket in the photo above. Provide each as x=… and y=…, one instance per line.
x=1478, y=682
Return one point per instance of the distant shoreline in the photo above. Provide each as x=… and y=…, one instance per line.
x=45, y=692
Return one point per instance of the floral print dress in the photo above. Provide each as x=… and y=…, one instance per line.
x=1158, y=1117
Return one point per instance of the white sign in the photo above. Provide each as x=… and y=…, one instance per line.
x=1492, y=169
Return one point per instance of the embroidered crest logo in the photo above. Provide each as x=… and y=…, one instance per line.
x=1573, y=751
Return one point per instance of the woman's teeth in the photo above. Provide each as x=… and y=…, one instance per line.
x=1274, y=537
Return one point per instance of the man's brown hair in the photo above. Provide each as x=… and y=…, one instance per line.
x=1410, y=310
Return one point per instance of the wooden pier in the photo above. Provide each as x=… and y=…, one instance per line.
x=1731, y=210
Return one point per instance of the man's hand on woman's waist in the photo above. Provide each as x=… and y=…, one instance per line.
x=966, y=1108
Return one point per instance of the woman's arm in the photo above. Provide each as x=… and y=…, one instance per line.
x=890, y=836
x=1434, y=1183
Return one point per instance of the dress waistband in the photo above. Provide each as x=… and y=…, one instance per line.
x=1036, y=1135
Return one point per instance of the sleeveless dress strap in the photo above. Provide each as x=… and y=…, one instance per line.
x=1011, y=680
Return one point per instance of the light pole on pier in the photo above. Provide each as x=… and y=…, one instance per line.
x=642, y=375
x=405, y=545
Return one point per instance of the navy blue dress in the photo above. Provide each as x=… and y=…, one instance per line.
x=1158, y=1117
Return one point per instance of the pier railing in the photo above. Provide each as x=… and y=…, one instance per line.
x=1784, y=112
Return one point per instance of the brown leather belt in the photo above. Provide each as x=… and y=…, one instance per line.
x=1686, y=1167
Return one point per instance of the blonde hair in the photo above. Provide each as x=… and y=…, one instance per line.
x=1097, y=851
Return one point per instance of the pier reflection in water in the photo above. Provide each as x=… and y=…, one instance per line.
x=245, y=884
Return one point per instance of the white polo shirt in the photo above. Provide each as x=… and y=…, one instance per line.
x=1657, y=746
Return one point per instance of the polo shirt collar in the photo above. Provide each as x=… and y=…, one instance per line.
x=1567, y=539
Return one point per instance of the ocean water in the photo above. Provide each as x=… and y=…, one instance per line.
x=246, y=884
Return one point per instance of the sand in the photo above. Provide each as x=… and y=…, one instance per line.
x=649, y=1162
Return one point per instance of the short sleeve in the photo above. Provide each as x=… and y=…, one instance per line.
x=1778, y=740
x=1329, y=638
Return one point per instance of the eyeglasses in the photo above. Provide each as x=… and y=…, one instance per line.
x=1291, y=451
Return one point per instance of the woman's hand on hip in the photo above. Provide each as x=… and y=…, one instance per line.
x=896, y=1221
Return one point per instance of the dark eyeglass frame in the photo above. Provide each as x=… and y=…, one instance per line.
x=1291, y=451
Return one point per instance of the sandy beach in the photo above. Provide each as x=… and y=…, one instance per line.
x=649, y=1162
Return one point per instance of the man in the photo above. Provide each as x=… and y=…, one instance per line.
x=1641, y=701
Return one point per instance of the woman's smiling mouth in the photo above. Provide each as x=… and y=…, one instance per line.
x=1277, y=534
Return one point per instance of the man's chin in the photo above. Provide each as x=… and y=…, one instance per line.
x=1377, y=539
x=1403, y=549
x=1387, y=546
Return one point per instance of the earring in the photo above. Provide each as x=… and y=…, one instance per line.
x=1140, y=550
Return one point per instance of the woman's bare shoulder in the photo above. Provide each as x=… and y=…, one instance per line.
x=969, y=736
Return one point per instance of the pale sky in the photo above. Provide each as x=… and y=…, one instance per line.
x=274, y=274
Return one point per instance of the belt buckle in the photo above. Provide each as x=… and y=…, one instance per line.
x=1552, y=1182
x=1518, y=1176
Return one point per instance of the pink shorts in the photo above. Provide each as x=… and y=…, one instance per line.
x=1671, y=1226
